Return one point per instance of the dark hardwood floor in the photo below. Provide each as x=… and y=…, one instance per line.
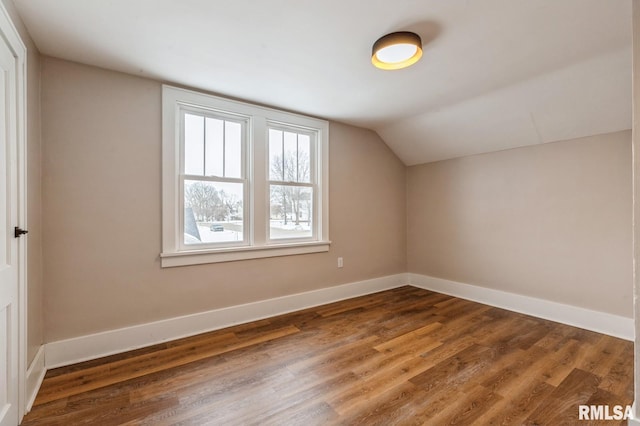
x=404, y=356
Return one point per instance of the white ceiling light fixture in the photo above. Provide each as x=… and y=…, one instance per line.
x=396, y=50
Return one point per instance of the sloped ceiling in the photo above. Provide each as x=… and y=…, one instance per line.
x=495, y=74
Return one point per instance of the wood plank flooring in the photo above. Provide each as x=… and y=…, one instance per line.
x=404, y=356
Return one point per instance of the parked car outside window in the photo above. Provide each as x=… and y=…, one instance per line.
x=216, y=227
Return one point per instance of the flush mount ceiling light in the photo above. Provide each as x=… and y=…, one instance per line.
x=396, y=50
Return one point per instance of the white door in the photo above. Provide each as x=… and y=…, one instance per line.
x=9, y=345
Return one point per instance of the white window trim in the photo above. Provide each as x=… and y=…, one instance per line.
x=260, y=245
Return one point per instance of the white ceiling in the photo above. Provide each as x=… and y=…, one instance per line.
x=495, y=74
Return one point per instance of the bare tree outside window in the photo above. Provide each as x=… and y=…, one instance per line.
x=211, y=204
x=217, y=209
x=291, y=203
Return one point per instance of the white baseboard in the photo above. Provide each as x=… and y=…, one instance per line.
x=35, y=376
x=634, y=420
x=84, y=348
x=600, y=322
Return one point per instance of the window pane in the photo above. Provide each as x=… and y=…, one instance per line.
x=233, y=149
x=291, y=211
x=276, y=170
x=213, y=212
x=290, y=157
x=304, y=158
x=193, y=144
x=214, y=140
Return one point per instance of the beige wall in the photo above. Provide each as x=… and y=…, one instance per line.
x=101, y=217
x=34, y=195
x=551, y=221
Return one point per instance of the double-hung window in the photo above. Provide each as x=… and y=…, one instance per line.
x=240, y=181
x=212, y=179
x=291, y=183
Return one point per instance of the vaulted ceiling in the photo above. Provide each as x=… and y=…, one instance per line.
x=495, y=74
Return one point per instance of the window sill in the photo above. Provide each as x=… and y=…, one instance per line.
x=198, y=257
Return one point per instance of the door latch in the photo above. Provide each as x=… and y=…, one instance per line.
x=17, y=232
